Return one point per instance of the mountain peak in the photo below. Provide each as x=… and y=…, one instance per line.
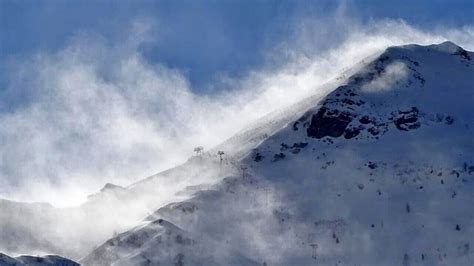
x=111, y=187
x=446, y=46
x=385, y=159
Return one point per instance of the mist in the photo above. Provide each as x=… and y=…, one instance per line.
x=95, y=111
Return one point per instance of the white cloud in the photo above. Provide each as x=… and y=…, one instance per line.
x=97, y=112
x=395, y=72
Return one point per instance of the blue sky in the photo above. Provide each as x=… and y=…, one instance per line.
x=201, y=38
x=113, y=91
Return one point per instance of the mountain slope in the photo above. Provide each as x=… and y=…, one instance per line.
x=37, y=227
x=379, y=172
x=49, y=260
x=26, y=228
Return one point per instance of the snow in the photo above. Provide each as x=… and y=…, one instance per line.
x=380, y=171
x=49, y=260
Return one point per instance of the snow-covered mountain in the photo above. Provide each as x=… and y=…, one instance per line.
x=378, y=172
x=49, y=260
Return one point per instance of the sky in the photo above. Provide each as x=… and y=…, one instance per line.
x=204, y=38
x=113, y=91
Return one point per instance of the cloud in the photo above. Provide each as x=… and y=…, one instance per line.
x=96, y=112
x=395, y=72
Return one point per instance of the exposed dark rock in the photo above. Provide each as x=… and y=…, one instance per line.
x=383, y=58
x=183, y=240
x=328, y=141
x=296, y=147
x=300, y=145
x=438, y=118
x=347, y=101
x=356, y=79
x=372, y=165
x=463, y=53
x=283, y=147
x=419, y=78
x=449, y=120
x=349, y=133
x=295, y=126
x=295, y=150
x=407, y=120
x=330, y=123
x=454, y=172
x=366, y=120
x=278, y=156
x=374, y=131
x=257, y=157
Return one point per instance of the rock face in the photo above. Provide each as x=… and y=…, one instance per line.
x=376, y=173
x=407, y=120
x=332, y=123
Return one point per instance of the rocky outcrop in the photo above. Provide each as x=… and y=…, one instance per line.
x=328, y=122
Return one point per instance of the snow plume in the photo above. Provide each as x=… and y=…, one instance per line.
x=96, y=112
x=240, y=214
x=395, y=72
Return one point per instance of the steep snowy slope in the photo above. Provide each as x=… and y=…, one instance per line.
x=49, y=260
x=27, y=228
x=379, y=172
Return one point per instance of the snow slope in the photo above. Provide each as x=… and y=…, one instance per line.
x=73, y=232
x=49, y=260
x=379, y=172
